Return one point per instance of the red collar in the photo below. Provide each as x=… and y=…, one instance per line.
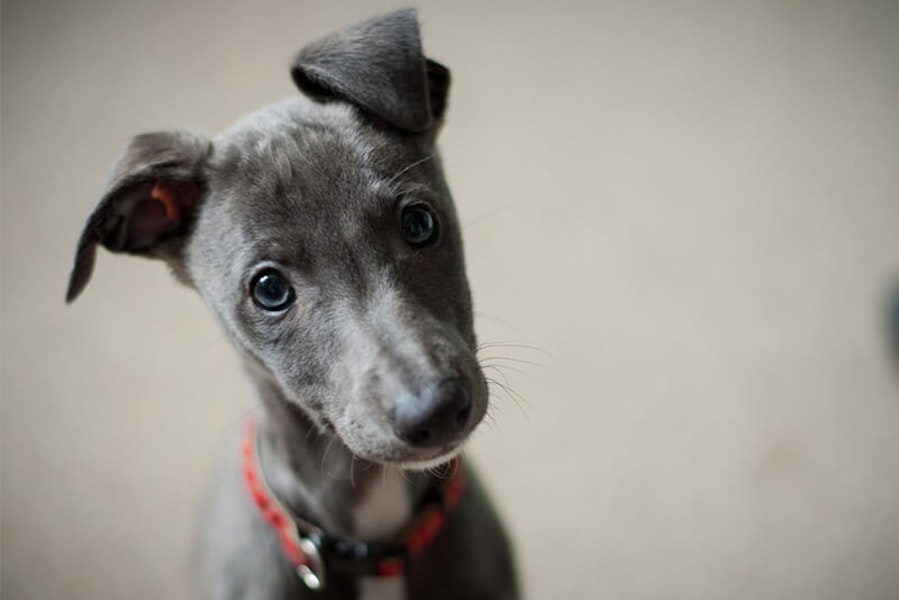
x=309, y=548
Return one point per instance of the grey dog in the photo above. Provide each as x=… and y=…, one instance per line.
x=322, y=236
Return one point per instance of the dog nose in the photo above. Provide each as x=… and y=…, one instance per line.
x=433, y=417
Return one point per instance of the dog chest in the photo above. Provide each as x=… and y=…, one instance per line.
x=384, y=510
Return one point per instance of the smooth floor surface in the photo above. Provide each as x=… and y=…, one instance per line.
x=681, y=223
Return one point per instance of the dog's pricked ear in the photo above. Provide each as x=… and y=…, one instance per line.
x=148, y=202
x=378, y=65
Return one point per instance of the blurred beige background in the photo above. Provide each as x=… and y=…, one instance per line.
x=690, y=211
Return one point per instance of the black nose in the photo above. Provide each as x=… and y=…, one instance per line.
x=435, y=416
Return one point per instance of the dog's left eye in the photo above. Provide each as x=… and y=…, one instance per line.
x=419, y=226
x=271, y=291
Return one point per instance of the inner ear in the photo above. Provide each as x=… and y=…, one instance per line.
x=137, y=218
x=163, y=211
x=175, y=196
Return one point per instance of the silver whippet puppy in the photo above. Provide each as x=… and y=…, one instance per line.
x=322, y=236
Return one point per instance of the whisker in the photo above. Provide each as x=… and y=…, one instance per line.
x=515, y=396
x=515, y=360
x=495, y=319
x=500, y=371
x=404, y=475
x=490, y=215
x=242, y=417
x=322, y=468
x=309, y=433
x=497, y=408
x=490, y=420
x=499, y=344
x=406, y=169
x=501, y=368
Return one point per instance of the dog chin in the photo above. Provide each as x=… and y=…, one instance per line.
x=412, y=461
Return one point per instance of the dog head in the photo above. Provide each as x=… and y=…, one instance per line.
x=323, y=237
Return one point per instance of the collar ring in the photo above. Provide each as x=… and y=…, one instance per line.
x=311, y=572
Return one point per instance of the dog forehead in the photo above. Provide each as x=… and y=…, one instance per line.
x=307, y=155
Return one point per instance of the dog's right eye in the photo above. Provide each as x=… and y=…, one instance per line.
x=419, y=226
x=271, y=291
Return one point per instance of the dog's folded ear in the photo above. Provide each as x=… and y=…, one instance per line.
x=148, y=202
x=377, y=65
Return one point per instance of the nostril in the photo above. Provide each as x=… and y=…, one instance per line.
x=462, y=417
x=419, y=437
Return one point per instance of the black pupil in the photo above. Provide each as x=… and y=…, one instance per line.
x=272, y=291
x=418, y=225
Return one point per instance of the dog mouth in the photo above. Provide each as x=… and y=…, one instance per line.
x=426, y=464
x=409, y=458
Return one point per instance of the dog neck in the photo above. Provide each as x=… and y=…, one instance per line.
x=318, y=478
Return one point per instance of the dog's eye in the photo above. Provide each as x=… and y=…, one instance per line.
x=419, y=225
x=271, y=291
